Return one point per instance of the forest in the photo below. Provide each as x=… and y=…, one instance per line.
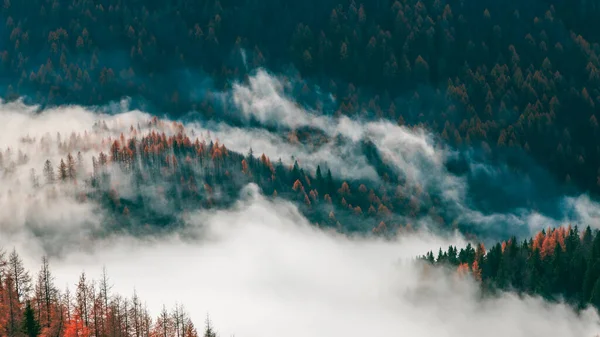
x=516, y=76
x=185, y=174
x=560, y=264
x=32, y=305
x=500, y=98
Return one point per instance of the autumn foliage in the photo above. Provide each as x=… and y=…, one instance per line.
x=557, y=264
x=34, y=306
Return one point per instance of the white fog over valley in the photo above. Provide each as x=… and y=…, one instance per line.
x=260, y=268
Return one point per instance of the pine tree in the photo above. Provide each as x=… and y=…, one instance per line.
x=31, y=327
x=319, y=177
x=595, y=298
x=71, y=167
x=208, y=330
x=330, y=185
x=48, y=172
x=63, y=171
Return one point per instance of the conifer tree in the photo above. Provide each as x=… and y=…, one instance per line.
x=31, y=327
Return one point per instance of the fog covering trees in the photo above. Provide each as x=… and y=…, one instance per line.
x=516, y=80
x=479, y=73
x=90, y=309
x=559, y=264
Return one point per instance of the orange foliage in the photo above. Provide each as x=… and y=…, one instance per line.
x=298, y=186
x=476, y=270
x=371, y=210
x=463, y=269
x=548, y=246
x=76, y=328
x=538, y=241
x=244, y=166
x=314, y=195
x=383, y=210
x=306, y=200
x=546, y=243
x=381, y=228
x=480, y=252
x=559, y=236
x=345, y=189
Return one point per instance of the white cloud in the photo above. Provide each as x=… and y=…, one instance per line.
x=263, y=270
x=412, y=152
x=583, y=210
x=51, y=216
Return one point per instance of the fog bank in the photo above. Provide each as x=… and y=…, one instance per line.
x=262, y=270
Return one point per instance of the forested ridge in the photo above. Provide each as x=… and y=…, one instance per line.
x=560, y=264
x=184, y=174
x=520, y=75
x=514, y=80
x=31, y=304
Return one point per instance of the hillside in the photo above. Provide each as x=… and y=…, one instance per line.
x=518, y=74
x=558, y=264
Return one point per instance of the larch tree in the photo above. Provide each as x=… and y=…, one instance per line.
x=135, y=313
x=104, y=296
x=76, y=327
x=10, y=316
x=63, y=171
x=48, y=172
x=34, y=178
x=47, y=291
x=164, y=324
x=82, y=307
x=19, y=275
x=71, y=167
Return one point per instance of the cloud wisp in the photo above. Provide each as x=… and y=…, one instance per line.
x=260, y=268
x=414, y=156
x=416, y=160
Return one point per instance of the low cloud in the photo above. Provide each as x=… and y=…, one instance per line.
x=52, y=217
x=412, y=155
x=487, y=196
x=262, y=270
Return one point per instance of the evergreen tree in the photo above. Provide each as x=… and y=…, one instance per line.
x=554, y=266
x=319, y=177
x=330, y=185
x=31, y=327
x=48, y=172
x=595, y=298
x=208, y=330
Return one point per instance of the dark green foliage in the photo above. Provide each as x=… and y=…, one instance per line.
x=31, y=327
x=558, y=265
x=506, y=75
x=166, y=177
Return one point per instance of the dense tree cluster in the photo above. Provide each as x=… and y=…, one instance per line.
x=557, y=264
x=183, y=174
x=517, y=74
x=32, y=305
